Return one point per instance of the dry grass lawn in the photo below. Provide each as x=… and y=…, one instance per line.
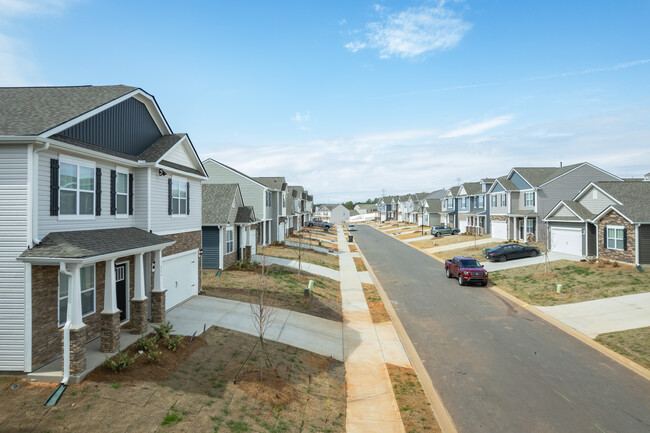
x=416, y=234
x=634, y=344
x=414, y=406
x=306, y=255
x=316, y=241
x=286, y=286
x=581, y=281
x=353, y=248
x=447, y=240
x=377, y=308
x=361, y=267
x=307, y=394
x=473, y=251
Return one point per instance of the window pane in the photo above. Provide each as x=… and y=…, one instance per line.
x=86, y=203
x=63, y=310
x=121, y=204
x=611, y=233
x=68, y=203
x=174, y=188
x=619, y=244
x=87, y=277
x=121, y=184
x=88, y=302
x=182, y=204
x=63, y=285
x=175, y=206
x=182, y=190
x=67, y=176
x=86, y=178
x=619, y=234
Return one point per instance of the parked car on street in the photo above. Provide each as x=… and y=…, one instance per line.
x=511, y=251
x=352, y=228
x=466, y=270
x=442, y=230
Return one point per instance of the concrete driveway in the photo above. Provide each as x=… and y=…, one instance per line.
x=528, y=261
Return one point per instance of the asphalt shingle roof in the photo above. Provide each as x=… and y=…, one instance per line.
x=90, y=243
x=34, y=110
x=507, y=184
x=536, y=176
x=434, y=205
x=159, y=147
x=278, y=183
x=472, y=188
x=633, y=195
x=217, y=202
x=245, y=214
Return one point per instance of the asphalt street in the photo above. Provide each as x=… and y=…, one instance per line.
x=496, y=366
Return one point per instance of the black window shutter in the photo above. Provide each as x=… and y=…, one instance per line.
x=130, y=193
x=624, y=239
x=98, y=191
x=169, y=196
x=188, y=198
x=113, y=179
x=54, y=187
x=605, y=237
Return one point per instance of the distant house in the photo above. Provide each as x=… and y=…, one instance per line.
x=228, y=227
x=364, y=208
x=387, y=207
x=607, y=219
x=449, y=213
x=333, y=213
x=473, y=208
x=278, y=189
x=98, y=198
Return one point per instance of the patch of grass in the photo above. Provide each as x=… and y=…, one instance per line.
x=172, y=417
x=414, y=406
x=633, y=344
x=361, y=267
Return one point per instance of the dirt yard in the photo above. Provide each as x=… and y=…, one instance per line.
x=472, y=251
x=445, y=240
x=581, y=281
x=307, y=394
x=307, y=255
x=413, y=234
x=634, y=344
x=286, y=285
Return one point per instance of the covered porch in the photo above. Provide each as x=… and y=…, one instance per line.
x=523, y=226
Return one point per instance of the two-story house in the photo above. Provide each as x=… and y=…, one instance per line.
x=254, y=193
x=100, y=220
x=449, y=213
x=295, y=206
x=473, y=208
x=387, y=207
x=520, y=200
x=333, y=213
x=277, y=186
x=607, y=219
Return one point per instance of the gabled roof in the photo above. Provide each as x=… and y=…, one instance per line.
x=438, y=194
x=453, y=191
x=277, y=183
x=505, y=183
x=218, y=199
x=245, y=214
x=434, y=205
x=633, y=196
x=536, y=176
x=577, y=209
x=34, y=110
x=471, y=188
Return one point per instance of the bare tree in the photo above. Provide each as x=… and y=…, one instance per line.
x=263, y=313
x=299, y=249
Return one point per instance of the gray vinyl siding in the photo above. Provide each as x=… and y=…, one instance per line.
x=161, y=221
x=595, y=205
x=48, y=223
x=14, y=220
x=252, y=192
x=565, y=188
x=140, y=201
x=498, y=209
x=564, y=212
x=521, y=201
x=516, y=201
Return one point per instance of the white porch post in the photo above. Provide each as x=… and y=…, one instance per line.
x=525, y=228
x=139, y=294
x=158, y=273
x=74, y=298
x=110, y=301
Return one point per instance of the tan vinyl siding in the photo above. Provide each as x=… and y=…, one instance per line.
x=595, y=205
x=564, y=212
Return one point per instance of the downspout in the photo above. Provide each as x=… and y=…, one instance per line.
x=66, y=329
x=35, y=238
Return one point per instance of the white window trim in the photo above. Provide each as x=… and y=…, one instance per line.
x=532, y=199
x=78, y=162
x=181, y=181
x=93, y=289
x=230, y=243
x=118, y=171
x=531, y=222
x=609, y=247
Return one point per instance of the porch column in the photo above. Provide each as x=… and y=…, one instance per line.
x=139, y=301
x=158, y=293
x=110, y=316
x=77, y=326
x=525, y=228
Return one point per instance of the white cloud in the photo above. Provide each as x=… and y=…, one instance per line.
x=343, y=22
x=13, y=8
x=301, y=119
x=477, y=128
x=414, y=32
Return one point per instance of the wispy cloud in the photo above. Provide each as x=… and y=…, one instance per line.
x=477, y=128
x=413, y=32
x=301, y=119
x=14, y=8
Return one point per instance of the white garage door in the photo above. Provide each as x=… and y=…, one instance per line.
x=180, y=277
x=463, y=225
x=499, y=230
x=568, y=241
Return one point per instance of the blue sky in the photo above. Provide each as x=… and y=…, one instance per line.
x=352, y=98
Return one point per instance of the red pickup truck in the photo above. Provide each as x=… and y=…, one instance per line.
x=466, y=270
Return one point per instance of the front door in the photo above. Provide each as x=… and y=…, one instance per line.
x=120, y=289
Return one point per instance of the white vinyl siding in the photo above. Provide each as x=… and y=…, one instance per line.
x=180, y=156
x=14, y=232
x=140, y=191
x=47, y=223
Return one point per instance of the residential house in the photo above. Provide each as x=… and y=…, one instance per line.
x=449, y=213
x=254, y=193
x=228, y=227
x=295, y=208
x=98, y=200
x=365, y=208
x=333, y=213
x=519, y=200
x=278, y=188
x=387, y=207
x=473, y=210
x=607, y=219
x=432, y=207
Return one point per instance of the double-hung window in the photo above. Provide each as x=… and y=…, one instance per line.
x=529, y=198
x=122, y=193
x=494, y=200
x=481, y=201
x=615, y=237
x=530, y=226
x=230, y=240
x=179, y=197
x=504, y=199
x=87, y=281
x=76, y=188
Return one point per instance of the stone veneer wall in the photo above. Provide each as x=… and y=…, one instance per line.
x=613, y=218
x=229, y=259
x=46, y=334
x=498, y=218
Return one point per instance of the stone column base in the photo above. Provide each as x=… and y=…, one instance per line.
x=78, y=350
x=110, y=334
x=158, y=306
x=139, y=316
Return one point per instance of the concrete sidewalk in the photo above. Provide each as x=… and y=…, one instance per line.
x=529, y=261
x=419, y=238
x=306, y=267
x=604, y=315
x=371, y=403
x=304, y=331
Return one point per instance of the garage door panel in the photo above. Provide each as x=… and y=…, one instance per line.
x=566, y=241
x=499, y=230
x=180, y=278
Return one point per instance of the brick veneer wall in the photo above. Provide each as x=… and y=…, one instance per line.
x=613, y=218
x=229, y=259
